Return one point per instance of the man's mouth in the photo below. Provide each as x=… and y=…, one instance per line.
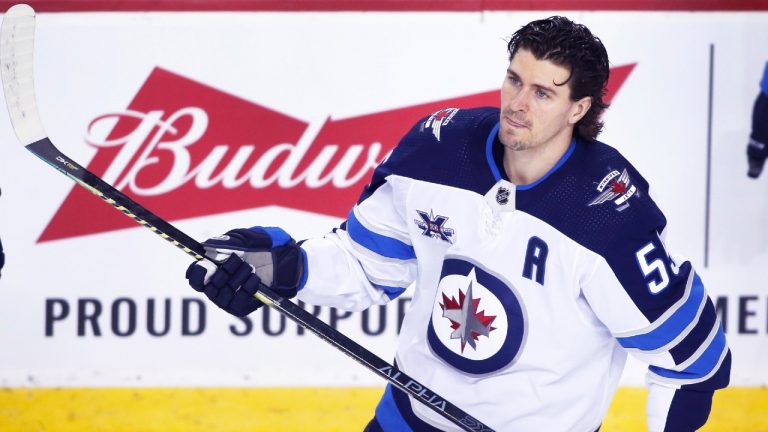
x=517, y=124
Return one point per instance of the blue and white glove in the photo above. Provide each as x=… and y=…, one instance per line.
x=248, y=258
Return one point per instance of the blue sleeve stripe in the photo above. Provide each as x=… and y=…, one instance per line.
x=764, y=82
x=388, y=415
x=673, y=326
x=377, y=243
x=390, y=291
x=703, y=365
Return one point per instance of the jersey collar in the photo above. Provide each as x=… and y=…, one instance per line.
x=497, y=169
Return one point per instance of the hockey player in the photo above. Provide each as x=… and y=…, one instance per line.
x=536, y=252
x=757, y=149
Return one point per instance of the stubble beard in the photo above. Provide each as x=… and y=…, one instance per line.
x=513, y=142
x=519, y=145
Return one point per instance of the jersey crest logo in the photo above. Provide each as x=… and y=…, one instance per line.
x=478, y=323
x=434, y=226
x=615, y=187
x=502, y=196
x=439, y=120
x=467, y=322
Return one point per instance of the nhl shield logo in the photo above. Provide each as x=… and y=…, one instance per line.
x=502, y=196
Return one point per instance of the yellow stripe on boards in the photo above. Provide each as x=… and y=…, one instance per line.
x=287, y=409
x=187, y=410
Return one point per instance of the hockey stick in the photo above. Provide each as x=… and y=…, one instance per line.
x=16, y=61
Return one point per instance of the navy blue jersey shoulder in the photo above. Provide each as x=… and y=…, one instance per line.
x=598, y=199
x=446, y=147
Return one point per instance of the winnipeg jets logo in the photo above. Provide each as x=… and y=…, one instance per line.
x=615, y=187
x=434, y=226
x=467, y=322
x=478, y=323
x=438, y=120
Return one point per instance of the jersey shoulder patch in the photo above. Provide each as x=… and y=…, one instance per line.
x=439, y=120
x=617, y=195
x=596, y=197
x=615, y=182
x=454, y=123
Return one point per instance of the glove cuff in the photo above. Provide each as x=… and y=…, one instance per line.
x=278, y=236
x=304, y=269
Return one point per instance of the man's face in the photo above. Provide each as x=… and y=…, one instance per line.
x=535, y=111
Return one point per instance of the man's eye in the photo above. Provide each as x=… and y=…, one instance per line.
x=541, y=94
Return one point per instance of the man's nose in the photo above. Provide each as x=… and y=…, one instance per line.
x=520, y=101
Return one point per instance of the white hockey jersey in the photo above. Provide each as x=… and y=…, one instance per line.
x=527, y=298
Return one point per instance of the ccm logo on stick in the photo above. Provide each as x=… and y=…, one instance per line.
x=66, y=163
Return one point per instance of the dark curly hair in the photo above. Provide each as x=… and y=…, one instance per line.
x=572, y=46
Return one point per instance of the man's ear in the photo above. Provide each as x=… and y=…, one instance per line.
x=580, y=109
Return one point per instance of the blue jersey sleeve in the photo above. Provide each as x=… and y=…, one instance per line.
x=656, y=306
x=684, y=342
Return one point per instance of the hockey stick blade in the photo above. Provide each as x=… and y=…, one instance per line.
x=16, y=61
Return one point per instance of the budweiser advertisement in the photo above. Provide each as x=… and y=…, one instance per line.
x=185, y=149
x=223, y=120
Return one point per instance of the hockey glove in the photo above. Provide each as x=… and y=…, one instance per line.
x=248, y=258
